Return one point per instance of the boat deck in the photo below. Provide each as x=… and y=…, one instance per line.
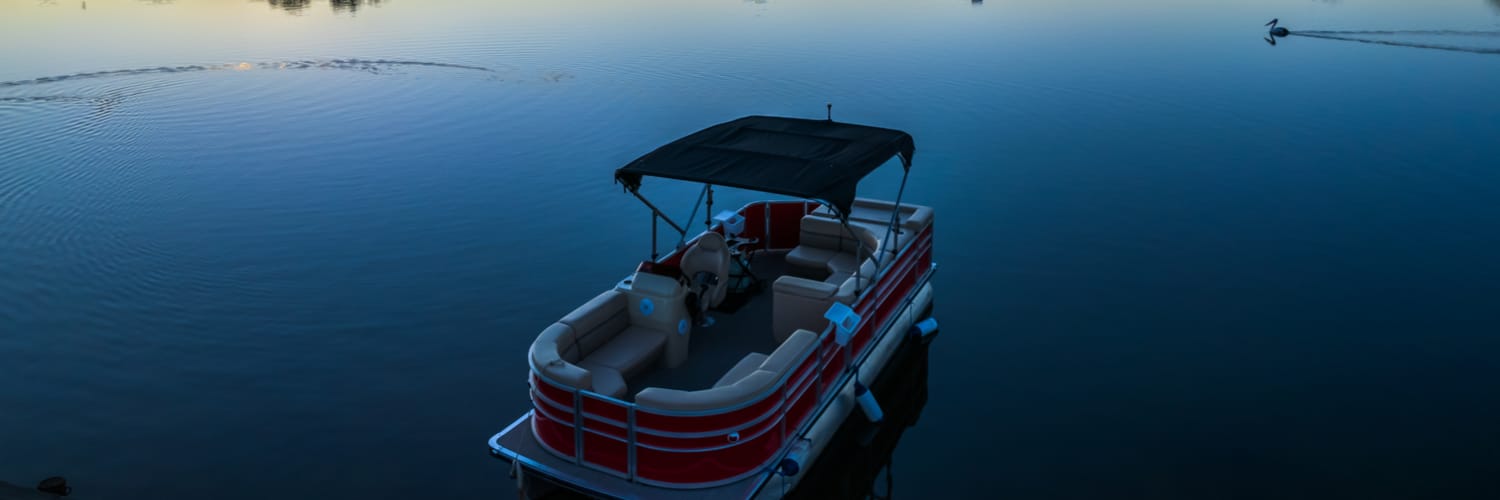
x=741, y=326
x=716, y=349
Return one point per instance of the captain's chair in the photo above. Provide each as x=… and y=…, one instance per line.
x=707, y=265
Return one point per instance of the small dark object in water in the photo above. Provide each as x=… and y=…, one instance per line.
x=1275, y=31
x=55, y=485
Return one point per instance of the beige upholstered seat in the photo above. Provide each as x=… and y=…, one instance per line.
x=809, y=257
x=798, y=303
x=710, y=254
x=822, y=239
x=607, y=381
x=743, y=390
x=913, y=218
x=733, y=390
x=747, y=364
x=554, y=354
x=841, y=267
x=596, y=347
x=631, y=352
x=874, y=216
x=790, y=351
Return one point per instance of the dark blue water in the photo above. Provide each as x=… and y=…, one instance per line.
x=299, y=249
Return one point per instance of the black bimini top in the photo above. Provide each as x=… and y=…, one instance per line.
x=814, y=159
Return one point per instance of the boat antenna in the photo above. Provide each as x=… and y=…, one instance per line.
x=830, y=111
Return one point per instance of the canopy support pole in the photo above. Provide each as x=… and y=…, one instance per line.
x=654, y=217
x=708, y=215
x=657, y=211
x=894, y=228
x=693, y=215
x=859, y=284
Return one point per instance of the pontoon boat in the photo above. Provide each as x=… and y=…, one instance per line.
x=723, y=368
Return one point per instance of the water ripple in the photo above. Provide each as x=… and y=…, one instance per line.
x=1403, y=32
x=353, y=64
x=1397, y=43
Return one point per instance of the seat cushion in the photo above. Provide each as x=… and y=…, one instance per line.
x=790, y=352
x=850, y=289
x=810, y=257
x=747, y=389
x=843, y=264
x=630, y=352
x=746, y=365
x=799, y=303
x=550, y=355
x=802, y=287
x=595, y=322
x=607, y=381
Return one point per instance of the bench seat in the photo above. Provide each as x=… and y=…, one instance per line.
x=747, y=364
x=631, y=352
x=597, y=347
x=727, y=394
x=810, y=257
x=607, y=381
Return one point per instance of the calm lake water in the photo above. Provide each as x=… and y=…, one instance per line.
x=297, y=248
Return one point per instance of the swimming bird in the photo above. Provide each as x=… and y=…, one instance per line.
x=1277, y=31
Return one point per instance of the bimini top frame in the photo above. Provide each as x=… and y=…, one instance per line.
x=819, y=160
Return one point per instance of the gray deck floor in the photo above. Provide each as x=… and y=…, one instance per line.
x=715, y=349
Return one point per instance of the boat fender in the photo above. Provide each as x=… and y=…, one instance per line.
x=924, y=329
x=647, y=307
x=792, y=464
x=867, y=402
x=683, y=325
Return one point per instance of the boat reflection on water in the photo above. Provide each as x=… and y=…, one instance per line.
x=857, y=463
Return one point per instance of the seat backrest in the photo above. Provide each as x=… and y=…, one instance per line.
x=913, y=217
x=554, y=353
x=729, y=396
x=852, y=286
x=919, y=219
x=770, y=372
x=875, y=215
x=791, y=350
x=820, y=232
x=666, y=312
x=597, y=321
x=827, y=233
x=710, y=253
x=799, y=303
